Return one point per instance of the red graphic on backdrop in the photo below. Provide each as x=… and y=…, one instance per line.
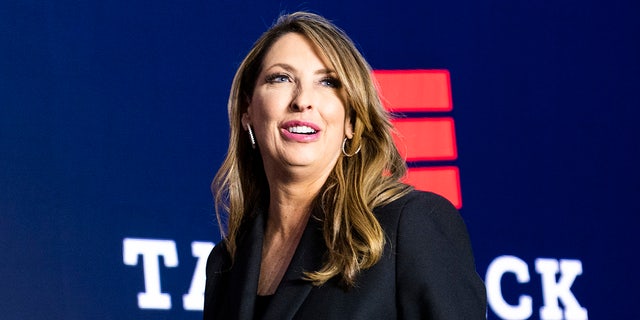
x=423, y=139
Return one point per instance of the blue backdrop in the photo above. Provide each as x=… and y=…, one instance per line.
x=113, y=122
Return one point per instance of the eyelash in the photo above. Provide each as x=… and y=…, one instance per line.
x=273, y=78
x=331, y=82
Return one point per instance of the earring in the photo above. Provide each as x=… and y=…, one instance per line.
x=344, y=142
x=253, y=139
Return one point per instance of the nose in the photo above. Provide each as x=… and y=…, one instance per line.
x=302, y=98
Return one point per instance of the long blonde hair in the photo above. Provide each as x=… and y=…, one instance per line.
x=357, y=184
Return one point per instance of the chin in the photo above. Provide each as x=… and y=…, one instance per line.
x=304, y=159
x=299, y=161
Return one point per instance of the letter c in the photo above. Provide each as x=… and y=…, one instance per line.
x=498, y=267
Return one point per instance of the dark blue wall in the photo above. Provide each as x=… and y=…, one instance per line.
x=113, y=123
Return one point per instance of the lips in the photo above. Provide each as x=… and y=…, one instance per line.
x=300, y=131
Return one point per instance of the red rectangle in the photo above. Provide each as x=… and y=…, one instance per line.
x=414, y=90
x=425, y=139
x=444, y=181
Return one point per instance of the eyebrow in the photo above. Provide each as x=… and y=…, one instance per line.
x=290, y=68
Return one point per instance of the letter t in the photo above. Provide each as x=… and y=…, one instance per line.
x=151, y=250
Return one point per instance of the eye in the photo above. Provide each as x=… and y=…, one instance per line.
x=278, y=78
x=331, y=82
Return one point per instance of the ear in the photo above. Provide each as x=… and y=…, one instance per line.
x=348, y=127
x=246, y=120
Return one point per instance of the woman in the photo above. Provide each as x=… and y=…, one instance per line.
x=318, y=225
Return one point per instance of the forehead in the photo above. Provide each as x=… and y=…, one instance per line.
x=297, y=50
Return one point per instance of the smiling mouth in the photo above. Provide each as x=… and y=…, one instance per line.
x=301, y=130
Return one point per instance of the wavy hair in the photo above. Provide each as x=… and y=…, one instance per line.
x=357, y=184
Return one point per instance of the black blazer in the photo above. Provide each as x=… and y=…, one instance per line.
x=427, y=272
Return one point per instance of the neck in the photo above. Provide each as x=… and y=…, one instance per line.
x=291, y=194
x=289, y=208
x=286, y=221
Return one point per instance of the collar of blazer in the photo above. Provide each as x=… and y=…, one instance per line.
x=292, y=291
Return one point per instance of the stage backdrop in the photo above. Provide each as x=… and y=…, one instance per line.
x=113, y=123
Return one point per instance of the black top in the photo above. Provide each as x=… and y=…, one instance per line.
x=261, y=306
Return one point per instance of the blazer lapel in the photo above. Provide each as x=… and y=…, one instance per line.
x=246, y=272
x=293, y=290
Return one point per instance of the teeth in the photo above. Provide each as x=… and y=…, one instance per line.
x=301, y=129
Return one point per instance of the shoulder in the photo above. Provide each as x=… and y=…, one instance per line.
x=417, y=199
x=217, y=281
x=428, y=219
x=427, y=200
x=434, y=259
x=218, y=265
x=419, y=210
x=219, y=259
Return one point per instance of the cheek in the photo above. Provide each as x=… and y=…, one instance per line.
x=259, y=110
x=337, y=113
x=266, y=105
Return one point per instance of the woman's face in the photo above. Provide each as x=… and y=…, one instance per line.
x=297, y=110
